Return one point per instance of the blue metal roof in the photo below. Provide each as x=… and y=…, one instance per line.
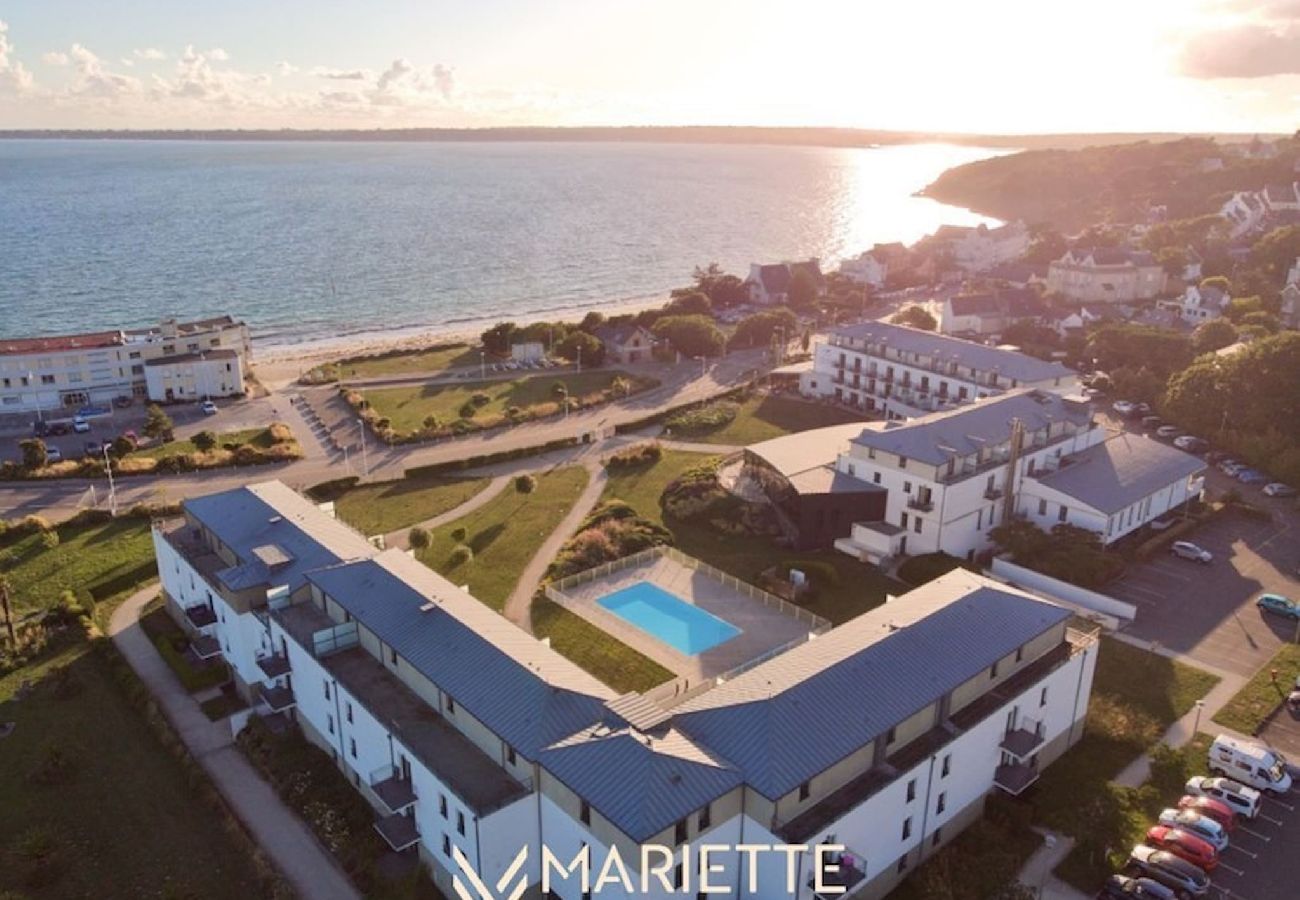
x=790, y=718
x=1006, y=363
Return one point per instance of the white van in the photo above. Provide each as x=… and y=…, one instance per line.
x=1253, y=764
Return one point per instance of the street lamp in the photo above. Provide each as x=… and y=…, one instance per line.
x=112, y=489
x=365, y=459
x=704, y=365
x=482, y=365
x=1196, y=727
x=579, y=357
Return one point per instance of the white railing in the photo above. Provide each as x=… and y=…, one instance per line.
x=332, y=640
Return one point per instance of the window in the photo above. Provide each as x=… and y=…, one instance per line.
x=680, y=832
x=916, y=524
x=1042, y=698
x=902, y=864
x=911, y=790
x=352, y=747
x=327, y=690
x=902, y=520
x=510, y=756
x=446, y=845
x=993, y=671
x=942, y=804
x=1020, y=654
x=442, y=805
x=349, y=708
x=947, y=766
x=876, y=477
x=392, y=656
x=329, y=724
x=460, y=823
x=584, y=813
x=451, y=707
x=705, y=819
x=677, y=876
x=852, y=469
x=907, y=487
x=902, y=462
x=804, y=790
x=979, y=519
x=1042, y=507
x=938, y=836
x=907, y=828
x=1064, y=511
x=47, y=379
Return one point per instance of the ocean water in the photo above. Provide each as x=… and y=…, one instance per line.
x=313, y=241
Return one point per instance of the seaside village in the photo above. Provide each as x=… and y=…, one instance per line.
x=832, y=564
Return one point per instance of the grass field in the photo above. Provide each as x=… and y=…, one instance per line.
x=1255, y=702
x=407, y=407
x=258, y=437
x=435, y=359
x=592, y=648
x=856, y=588
x=763, y=416
x=103, y=559
x=392, y=505
x=504, y=535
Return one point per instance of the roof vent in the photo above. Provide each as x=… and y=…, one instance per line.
x=428, y=607
x=275, y=519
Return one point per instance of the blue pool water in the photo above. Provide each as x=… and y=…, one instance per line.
x=678, y=624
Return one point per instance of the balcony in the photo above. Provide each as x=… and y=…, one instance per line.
x=1015, y=778
x=850, y=874
x=917, y=503
x=394, y=791
x=280, y=698
x=274, y=665
x=200, y=615
x=398, y=831
x=993, y=493
x=206, y=647
x=1024, y=740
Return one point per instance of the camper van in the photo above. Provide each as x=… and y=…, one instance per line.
x=1250, y=763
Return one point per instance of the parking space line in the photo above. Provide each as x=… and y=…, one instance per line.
x=1262, y=837
x=1286, y=806
x=1241, y=849
x=1277, y=822
x=1225, y=893
x=1224, y=865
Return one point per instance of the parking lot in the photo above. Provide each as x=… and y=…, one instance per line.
x=1260, y=862
x=1208, y=611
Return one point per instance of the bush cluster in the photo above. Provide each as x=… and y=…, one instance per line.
x=612, y=530
x=702, y=419
x=635, y=457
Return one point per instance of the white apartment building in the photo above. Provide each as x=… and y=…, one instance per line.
x=866, y=268
x=70, y=371
x=194, y=376
x=1106, y=275
x=952, y=477
x=899, y=372
x=980, y=248
x=465, y=733
x=1200, y=304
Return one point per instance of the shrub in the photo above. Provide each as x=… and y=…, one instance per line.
x=420, y=537
x=431, y=423
x=635, y=457
x=459, y=534
x=333, y=489
x=50, y=539
x=205, y=440
x=480, y=398
x=467, y=410
x=525, y=484
x=461, y=554
x=702, y=419
x=916, y=570
x=56, y=765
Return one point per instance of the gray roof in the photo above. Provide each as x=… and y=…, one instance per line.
x=937, y=438
x=518, y=687
x=791, y=454
x=179, y=358
x=642, y=784
x=270, y=514
x=1114, y=474
x=829, y=480
x=796, y=715
x=1007, y=363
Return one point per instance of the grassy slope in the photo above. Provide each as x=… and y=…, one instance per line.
x=1255, y=702
x=763, y=417
x=610, y=660
x=505, y=534
x=391, y=505
x=86, y=557
x=407, y=407
x=258, y=437
x=432, y=360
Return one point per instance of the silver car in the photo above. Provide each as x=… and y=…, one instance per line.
x=1194, y=823
x=1188, y=550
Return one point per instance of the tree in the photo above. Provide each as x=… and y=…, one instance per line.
x=204, y=441
x=1118, y=346
x=759, y=329
x=498, y=338
x=691, y=335
x=1264, y=321
x=721, y=289
x=1213, y=335
x=1217, y=281
x=805, y=342
x=157, y=423
x=916, y=317
x=1046, y=245
x=803, y=289
x=431, y=423
x=620, y=386
x=1173, y=260
x=591, y=321
x=122, y=445
x=525, y=484
x=35, y=455
x=691, y=303
x=580, y=344
x=420, y=538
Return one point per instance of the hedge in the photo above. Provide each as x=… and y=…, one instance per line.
x=917, y=570
x=485, y=459
x=333, y=489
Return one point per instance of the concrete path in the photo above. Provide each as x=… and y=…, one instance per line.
x=519, y=603
x=285, y=839
x=402, y=536
x=1037, y=872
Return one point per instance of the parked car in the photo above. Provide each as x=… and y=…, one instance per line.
x=1169, y=870
x=1191, y=443
x=1240, y=799
x=1124, y=408
x=1276, y=603
x=57, y=428
x=1193, y=822
x=1214, y=457
x=1152, y=421
x=53, y=455
x=1168, y=432
x=1252, y=763
x=122, y=402
x=94, y=448
x=1278, y=489
x=1251, y=476
x=1188, y=550
x=40, y=428
x=1160, y=524
x=1185, y=846
x=80, y=425
x=1142, y=409
x=209, y=408
x=1122, y=887
x=1210, y=808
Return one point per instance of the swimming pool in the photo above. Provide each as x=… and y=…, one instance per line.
x=678, y=624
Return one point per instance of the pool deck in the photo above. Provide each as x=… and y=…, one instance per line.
x=763, y=629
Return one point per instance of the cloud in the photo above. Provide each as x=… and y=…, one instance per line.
x=285, y=68
x=93, y=80
x=55, y=58
x=1243, y=51
x=340, y=74
x=12, y=73
x=218, y=55
x=151, y=54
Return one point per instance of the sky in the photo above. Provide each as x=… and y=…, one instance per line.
x=994, y=67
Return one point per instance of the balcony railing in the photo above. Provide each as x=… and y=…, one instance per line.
x=200, y=615
x=205, y=646
x=994, y=493
x=398, y=831
x=1015, y=778
x=924, y=505
x=273, y=665
x=393, y=790
x=851, y=872
x=279, y=698
x=1024, y=740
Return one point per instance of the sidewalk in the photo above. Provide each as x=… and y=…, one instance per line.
x=288, y=842
x=1037, y=872
x=401, y=538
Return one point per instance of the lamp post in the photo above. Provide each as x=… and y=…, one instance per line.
x=579, y=357
x=365, y=459
x=482, y=365
x=1196, y=726
x=704, y=365
x=112, y=489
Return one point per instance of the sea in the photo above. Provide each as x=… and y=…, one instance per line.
x=316, y=241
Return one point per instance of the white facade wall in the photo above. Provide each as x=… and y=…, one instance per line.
x=195, y=379
x=1042, y=505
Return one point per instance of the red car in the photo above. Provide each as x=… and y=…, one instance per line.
x=1185, y=846
x=1214, y=809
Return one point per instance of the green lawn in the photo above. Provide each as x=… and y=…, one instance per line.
x=170, y=642
x=610, y=660
x=388, y=506
x=258, y=437
x=407, y=407
x=1255, y=702
x=764, y=416
x=85, y=779
x=856, y=589
x=434, y=359
x=103, y=559
x=504, y=535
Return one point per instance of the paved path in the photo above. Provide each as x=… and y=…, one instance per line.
x=284, y=837
x=519, y=603
x=402, y=536
x=1037, y=871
